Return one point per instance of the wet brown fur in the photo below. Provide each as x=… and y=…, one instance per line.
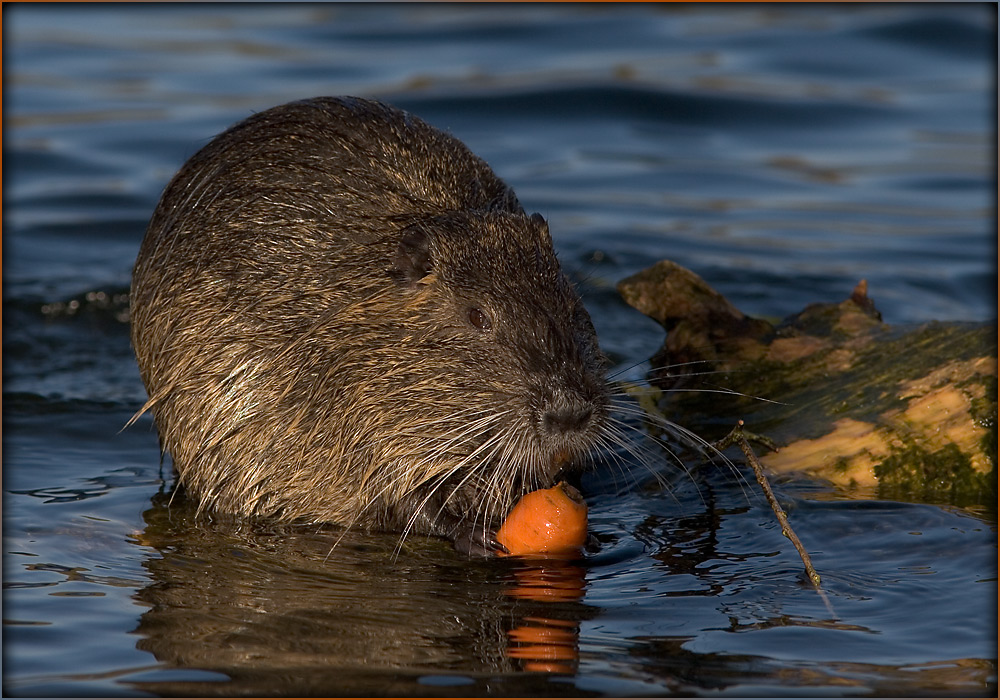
x=301, y=314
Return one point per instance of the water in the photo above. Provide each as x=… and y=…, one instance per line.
x=783, y=153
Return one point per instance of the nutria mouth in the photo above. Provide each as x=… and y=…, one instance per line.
x=341, y=314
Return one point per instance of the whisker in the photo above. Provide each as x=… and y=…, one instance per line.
x=490, y=445
x=640, y=454
x=624, y=392
x=614, y=375
x=625, y=404
x=432, y=449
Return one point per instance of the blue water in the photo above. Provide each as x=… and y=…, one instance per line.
x=782, y=152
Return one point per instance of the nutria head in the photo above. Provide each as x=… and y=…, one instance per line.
x=342, y=315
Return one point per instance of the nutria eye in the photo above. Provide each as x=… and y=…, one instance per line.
x=479, y=319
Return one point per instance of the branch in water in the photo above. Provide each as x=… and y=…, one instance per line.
x=737, y=436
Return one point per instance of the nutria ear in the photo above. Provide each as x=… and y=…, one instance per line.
x=540, y=223
x=412, y=261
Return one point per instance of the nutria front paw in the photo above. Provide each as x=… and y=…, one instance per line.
x=478, y=542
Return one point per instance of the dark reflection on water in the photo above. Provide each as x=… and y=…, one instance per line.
x=782, y=152
x=316, y=611
x=300, y=611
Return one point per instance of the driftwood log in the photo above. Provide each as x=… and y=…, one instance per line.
x=908, y=413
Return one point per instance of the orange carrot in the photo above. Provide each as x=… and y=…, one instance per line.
x=546, y=521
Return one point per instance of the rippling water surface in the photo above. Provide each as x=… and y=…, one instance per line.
x=782, y=152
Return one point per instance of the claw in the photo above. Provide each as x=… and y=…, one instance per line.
x=477, y=542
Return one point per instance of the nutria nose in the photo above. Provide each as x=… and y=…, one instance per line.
x=567, y=418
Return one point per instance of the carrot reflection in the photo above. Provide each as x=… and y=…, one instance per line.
x=545, y=644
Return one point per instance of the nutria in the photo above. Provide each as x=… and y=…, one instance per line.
x=342, y=315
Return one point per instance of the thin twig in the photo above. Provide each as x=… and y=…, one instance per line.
x=739, y=437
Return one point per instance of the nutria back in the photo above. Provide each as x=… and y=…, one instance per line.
x=341, y=314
